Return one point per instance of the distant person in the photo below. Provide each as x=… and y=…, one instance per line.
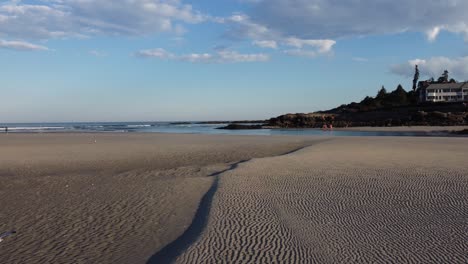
x=331, y=127
x=6, y=129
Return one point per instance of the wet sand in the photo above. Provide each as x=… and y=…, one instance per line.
x=110, y=198
x=406, y=129
x=156, y=198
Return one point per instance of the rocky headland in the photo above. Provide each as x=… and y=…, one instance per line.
x=397, y=108
x=444, y=114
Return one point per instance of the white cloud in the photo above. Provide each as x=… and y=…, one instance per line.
x=266, y=44
x=233, y=56
x=21, y=45
x=323, y=45
x=434, y=67
x=332, y=19
x=155, y=53
x=433, y=33
x=301, y=53
x=79, y=18
x=197, y=58
x=220, y=56
x=242, y=27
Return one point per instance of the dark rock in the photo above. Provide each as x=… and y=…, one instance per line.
x=231, y=122
x=181, y=123
x=240, y=127
x=461, y=132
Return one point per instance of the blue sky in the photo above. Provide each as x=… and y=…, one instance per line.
x=160, y=60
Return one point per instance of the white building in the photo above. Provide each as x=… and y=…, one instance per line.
x=446, y=92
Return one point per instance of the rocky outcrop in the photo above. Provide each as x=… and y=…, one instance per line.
x=232, y=122
x=240, y=127
x=311, y=120
x=444, y=114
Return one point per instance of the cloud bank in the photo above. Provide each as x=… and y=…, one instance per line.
x=332, y=19
x=45, y=19
x=307, y=28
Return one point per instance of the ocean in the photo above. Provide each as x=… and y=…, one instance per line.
x=186, y=127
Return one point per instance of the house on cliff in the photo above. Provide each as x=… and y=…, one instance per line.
x=442, y=90
x=445, y=92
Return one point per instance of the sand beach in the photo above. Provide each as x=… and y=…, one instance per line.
x=110, y=198
x=162, y=198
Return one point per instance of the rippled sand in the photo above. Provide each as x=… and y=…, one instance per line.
x=110, y=198
x=346, y=200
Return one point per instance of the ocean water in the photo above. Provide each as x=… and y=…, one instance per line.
x=192, y=128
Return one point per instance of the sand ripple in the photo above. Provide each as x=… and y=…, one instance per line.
x=344, y=201
x=109, y=198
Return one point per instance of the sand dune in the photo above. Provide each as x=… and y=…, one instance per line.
x=109, y=198
x=348, y=200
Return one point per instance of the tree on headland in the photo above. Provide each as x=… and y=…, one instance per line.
x=367, y=101
x=416, y=77
x=399, y=90
x=397, y=97
x=382, y=93
x=444, y=77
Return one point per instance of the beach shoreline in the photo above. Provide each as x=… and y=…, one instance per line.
x=233, y=129
x=404, y=129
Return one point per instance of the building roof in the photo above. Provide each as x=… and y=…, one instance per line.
x=448, y=85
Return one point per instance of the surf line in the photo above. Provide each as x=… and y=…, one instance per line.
x=170, y=252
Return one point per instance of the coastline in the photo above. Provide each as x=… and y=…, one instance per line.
x=231, y=129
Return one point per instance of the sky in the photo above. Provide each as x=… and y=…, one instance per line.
x=180, y=60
